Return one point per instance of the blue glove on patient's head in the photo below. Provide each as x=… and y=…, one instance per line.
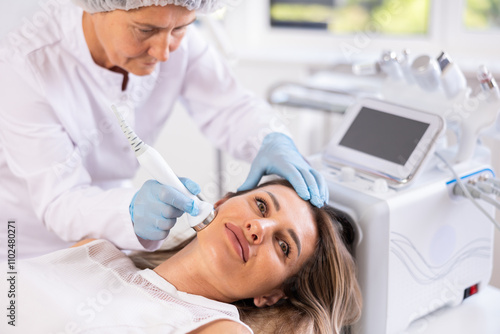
x=278, y=155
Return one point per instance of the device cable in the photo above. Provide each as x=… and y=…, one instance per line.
x=465, y=191
x=495, y=183
x=487, y=189
x=481, y=191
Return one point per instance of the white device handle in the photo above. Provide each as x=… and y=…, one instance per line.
x=158, y=168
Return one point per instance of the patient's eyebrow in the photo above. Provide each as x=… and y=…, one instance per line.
x=275, y=200
x=292, y=233
x=296, y=239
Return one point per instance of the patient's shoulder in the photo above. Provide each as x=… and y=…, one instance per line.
x=222, y=326
x=82, y=242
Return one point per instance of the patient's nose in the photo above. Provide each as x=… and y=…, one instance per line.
x=256, y=230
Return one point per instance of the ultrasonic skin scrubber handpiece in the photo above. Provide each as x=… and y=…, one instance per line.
x=153, y=162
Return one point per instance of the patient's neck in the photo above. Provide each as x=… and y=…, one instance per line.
x=189, y=273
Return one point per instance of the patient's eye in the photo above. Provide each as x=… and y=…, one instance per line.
x=285, y=247
x=262, y=205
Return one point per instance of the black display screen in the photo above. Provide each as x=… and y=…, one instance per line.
x=386, y=136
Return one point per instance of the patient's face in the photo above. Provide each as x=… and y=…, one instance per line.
x=258, y=240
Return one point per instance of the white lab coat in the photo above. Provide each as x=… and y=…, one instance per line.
x=65, y=166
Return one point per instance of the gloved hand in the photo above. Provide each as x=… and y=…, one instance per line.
x=278, y=155
x=155, y=208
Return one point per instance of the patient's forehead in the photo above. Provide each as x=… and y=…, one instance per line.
x=283, y=190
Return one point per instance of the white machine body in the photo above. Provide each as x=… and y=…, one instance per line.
x=418, y=248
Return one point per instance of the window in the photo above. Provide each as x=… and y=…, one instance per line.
x=481, y=15
x=343, y=17
x=320, y=31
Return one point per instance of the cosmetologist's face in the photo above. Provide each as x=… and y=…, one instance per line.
x=137, y=40
x=258, y=240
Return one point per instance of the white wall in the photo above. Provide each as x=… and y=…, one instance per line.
x=14, y=13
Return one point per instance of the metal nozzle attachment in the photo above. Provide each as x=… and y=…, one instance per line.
x=205, y=222
x=486, y=79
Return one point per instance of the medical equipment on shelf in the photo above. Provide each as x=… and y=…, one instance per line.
x=153, y=162
x=425, y=70
x=488, y=83
x=302, y=96
x=468, y=114
x=452, y=78
x=428, y=244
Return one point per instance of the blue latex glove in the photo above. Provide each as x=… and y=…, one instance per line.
x=155, y=208
x=278, y=155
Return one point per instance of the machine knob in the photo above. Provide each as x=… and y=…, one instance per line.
x=380, y=186
x=347, y=174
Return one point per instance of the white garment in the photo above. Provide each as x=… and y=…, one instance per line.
x=95, y=288
x=65, y=164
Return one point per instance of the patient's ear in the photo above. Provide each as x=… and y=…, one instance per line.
x=269, y=299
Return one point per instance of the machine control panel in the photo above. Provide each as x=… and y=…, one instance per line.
x=349, y=177
x=347, y=174
x=380, y=186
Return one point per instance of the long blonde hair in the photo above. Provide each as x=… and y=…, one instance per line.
x=323, y=297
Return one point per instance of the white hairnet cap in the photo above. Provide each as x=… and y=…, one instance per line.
x=201, y=6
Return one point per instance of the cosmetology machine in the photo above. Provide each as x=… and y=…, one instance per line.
x=424, y=240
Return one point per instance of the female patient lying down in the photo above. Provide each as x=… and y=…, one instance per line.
x=268, y=254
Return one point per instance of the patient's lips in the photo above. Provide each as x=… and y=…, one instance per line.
x=238, y=241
